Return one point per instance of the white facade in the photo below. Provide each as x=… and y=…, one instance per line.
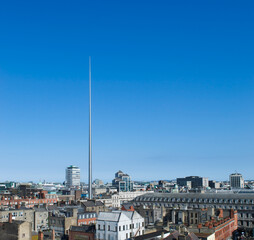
x=122, y=197
x=236, y=180
x=119, y=225
x=72, y=176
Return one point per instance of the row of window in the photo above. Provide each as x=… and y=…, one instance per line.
x=247, y=215
x=204, y=200
x=86, y=222
x=120, y=228
x=198, y=206
x=84, y=216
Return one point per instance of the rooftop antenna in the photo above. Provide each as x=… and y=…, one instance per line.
x=90, y=135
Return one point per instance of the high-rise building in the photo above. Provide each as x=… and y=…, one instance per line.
x=72, y=176
x=194, y=181
x=122, y=182
x=236, y=180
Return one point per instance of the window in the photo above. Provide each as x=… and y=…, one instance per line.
x=108, y=227
x=99, y=226
x=143, y=224
x=130, y=226
x=104, y=227
x=123, y=227
x=126, y=235
x=116, y=229
x=119, y=228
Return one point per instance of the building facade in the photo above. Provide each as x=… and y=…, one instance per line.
x=236, y=180
x=38, y=217
x=242, y=202
x=119, y=225
x=72, y=176
x=193, y=182
x=122, y=197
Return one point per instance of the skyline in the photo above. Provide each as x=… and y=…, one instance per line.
x=173, y=88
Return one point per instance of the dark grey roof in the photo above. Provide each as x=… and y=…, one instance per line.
x=127, y=205
x=192, y=236
x=90, y=203
x=84, y=228
x=198, y=195
x=40, y=209
x=15, y=209
x=150, y=235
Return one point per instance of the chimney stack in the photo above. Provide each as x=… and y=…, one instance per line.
x=10, y=217
x=40, y=235
x=53, y=234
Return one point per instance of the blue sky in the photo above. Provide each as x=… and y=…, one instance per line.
x=173, y=88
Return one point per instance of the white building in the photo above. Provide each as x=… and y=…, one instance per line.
x=119, y=225
x=122, y=197
x=236, y=180
x=72, y=176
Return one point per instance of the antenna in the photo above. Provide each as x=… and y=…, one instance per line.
x=90, y=135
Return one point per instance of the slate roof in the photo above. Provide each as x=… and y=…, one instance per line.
x=152, y=235
x=92, y=203
x=115, y=216
x=198, y=195
x=84, y=228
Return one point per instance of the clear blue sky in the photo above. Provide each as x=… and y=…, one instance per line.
x=173, y=88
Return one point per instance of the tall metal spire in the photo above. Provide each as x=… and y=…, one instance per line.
x=90, y=134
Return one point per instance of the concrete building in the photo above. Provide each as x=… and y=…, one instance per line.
x=214, y=184
x=61, y=222
x=82, y=232
x=236, y=180
x=93, y=206
x=119, y=225
x=193, y=181
x=122, y=182
x=151, y=214
x=242, y=202
x=38, y=217
x=72, y=176
x=122, y=197
x=15, y=230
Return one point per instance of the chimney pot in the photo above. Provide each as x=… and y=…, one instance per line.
x=10, y=217
x=40, y=235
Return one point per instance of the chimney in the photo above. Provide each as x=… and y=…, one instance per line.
x=40, y=235
x=10, y=217
x=53, y=234
x=18, y=205
x=220, y=213
x=231, y=213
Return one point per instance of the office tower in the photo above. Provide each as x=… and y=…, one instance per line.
x=72, y=176
x=236, y=180
x=194, y=181
x=122, y=182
